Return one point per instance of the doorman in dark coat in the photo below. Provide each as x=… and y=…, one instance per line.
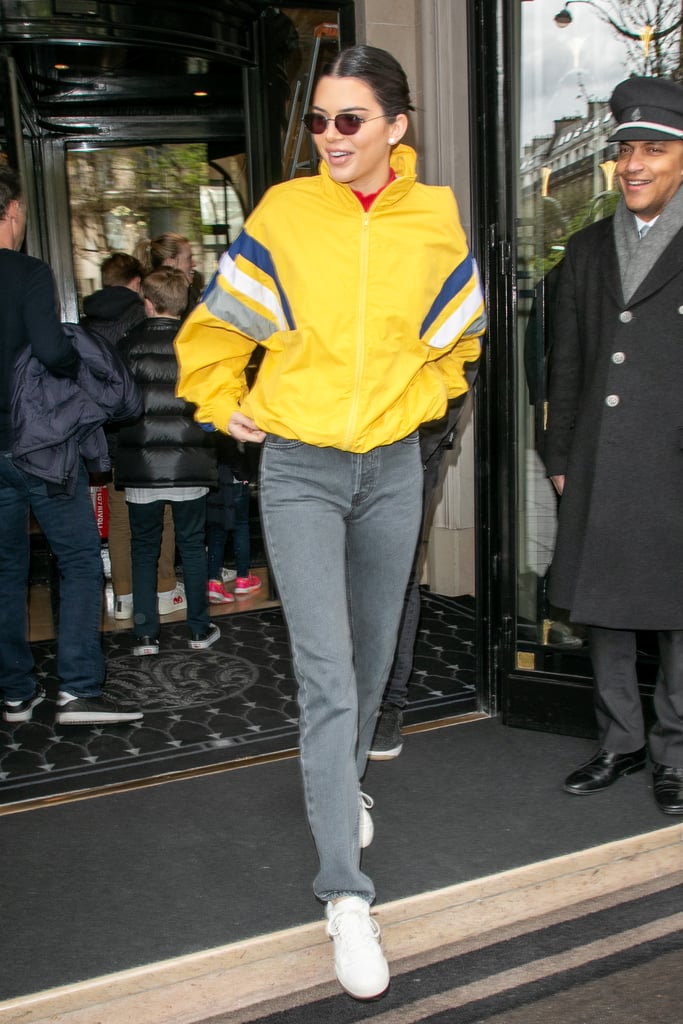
x=614, y=446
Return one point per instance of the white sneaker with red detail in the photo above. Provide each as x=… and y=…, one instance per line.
x=170, y=601
x=359, y=962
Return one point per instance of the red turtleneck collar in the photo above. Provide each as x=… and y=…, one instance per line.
x=367, y=201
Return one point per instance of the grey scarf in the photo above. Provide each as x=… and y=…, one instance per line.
x=637, y=256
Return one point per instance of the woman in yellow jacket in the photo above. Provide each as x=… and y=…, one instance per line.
x=359, y=284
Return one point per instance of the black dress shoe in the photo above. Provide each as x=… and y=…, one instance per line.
x=603, y=770
x=668, y=786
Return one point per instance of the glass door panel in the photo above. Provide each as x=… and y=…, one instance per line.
x=570, y=59
x=121, y=196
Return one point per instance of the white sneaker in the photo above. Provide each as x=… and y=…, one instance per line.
x=228, y=575
x=366, y=829
x=172, y=600
x=123, y=606
x=359, y=962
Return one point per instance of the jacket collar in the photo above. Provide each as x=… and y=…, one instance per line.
x=403, y=162
x=670, y=265
x=642, y=268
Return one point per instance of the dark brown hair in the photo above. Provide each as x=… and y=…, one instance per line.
x=120, y=269
x=10, y=188
x=380, y=71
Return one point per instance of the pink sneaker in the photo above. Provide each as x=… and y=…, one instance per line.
x=218, y=594
x=247, y=584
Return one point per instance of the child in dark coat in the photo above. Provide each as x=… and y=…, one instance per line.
x=165, y=456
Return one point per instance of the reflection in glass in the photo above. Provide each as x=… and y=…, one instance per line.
x=118, y=197
x=565, y=181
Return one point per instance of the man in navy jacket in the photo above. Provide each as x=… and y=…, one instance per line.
x=28, y=320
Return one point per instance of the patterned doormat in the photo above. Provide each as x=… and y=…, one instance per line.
x=236, y=700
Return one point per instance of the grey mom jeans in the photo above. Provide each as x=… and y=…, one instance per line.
x=340, y=530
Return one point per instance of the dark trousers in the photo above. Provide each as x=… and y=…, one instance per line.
x=146, y=526
x=217, y=534
x=435, y=440
x=618, y=708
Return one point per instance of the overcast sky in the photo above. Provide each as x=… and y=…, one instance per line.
x=561, y=67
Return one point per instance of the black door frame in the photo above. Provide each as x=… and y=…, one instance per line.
x=495, y=480
x=261, y=90
x=535, y=700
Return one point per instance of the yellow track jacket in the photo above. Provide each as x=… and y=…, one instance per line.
x=369, y=320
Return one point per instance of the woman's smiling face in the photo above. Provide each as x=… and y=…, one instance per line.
x=360, y=160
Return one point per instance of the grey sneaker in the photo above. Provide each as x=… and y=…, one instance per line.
x=387, y=741
x=22, y=711
x=92, y=711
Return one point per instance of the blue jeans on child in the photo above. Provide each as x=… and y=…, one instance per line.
x=68, y=523
x=341, y=530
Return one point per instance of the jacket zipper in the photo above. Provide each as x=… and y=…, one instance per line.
x=360, y=335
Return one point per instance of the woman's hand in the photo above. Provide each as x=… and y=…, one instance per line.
x=558, y=483
x=242, y=428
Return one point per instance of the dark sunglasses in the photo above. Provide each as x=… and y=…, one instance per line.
x=346, y=124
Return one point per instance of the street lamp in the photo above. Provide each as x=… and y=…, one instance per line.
x=645, y=35
x=564, y=18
